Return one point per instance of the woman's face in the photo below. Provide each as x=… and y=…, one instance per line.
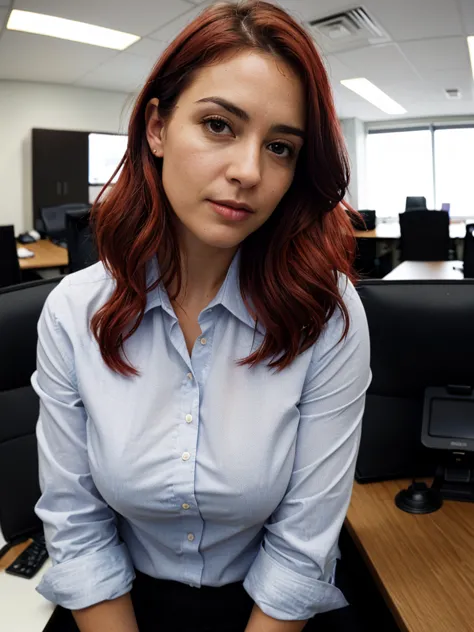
x=234, y=138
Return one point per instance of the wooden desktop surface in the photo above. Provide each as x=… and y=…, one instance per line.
x=391, y=230
x=423, y=564
x=47, y=255
x=419, y=270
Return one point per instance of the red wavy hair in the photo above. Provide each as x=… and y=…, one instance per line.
x=290, y=265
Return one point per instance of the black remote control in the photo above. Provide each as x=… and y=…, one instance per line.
x=28, y=563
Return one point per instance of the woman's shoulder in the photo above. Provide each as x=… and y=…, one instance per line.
x=82, y=291
x=332, y=333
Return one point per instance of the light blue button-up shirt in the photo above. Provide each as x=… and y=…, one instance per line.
x=197, y=470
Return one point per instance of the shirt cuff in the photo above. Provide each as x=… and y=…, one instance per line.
x=284, y=594
x=89, y=579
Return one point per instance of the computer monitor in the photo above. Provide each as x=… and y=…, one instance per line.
x=80, y=240
x=421, y=338
x=448, y=424
x=415, y=203
x=54, y=219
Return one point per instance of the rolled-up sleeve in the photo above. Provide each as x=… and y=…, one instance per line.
x=292, y=577
x=90, y=563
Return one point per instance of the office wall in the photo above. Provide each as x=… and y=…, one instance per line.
x=24, y=106
x=355, y=137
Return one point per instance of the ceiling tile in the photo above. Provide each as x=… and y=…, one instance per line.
x=445, y=53
x=336, y=69
x=138, y=17
x=172, y=29
x=378, y=64
x=3, y=16
x=124, y=73
x=27, y=57
x=151, y=49
x=467, y=13
x=417, y=19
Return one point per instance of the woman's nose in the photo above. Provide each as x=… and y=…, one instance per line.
x=245, y=165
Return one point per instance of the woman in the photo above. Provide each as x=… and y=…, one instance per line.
x=202, y=387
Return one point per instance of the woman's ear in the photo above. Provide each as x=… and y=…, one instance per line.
x=155, y=130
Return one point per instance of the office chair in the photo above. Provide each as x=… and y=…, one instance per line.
x=80, y=240
x=469, y=252
x=10, y=272
x=21, y=307
x=420, y=337
x=53, y=219
x=415, y=203
x=424, y=236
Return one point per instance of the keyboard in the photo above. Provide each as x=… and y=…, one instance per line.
x=28, y=563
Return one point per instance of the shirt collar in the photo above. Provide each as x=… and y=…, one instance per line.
x=228, y=295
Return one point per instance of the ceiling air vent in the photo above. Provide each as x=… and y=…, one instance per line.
x=347, y=30
x=453, y=93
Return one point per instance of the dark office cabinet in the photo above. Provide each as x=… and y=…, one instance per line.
x=60, y=168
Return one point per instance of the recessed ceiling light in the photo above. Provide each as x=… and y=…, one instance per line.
x=52, y=26
x=367, y=90
x=470, y=43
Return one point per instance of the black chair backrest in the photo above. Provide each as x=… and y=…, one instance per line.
x=80, y=240
x=469, y=252
x=413, y=203
x=54, y=218
x=9, y=265
x=420, y=336
x=20, y=308
x=424, y=236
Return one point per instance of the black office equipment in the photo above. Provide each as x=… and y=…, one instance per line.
x=54, y=220
x=424, y=236
x=468, y=256
x=415, y=203
x=420, y=337
x=20, y=308
x=80, y=240
x=448, y=425
x=419, y=499
x=366, y=221
x=29, y=562
x=9, y=265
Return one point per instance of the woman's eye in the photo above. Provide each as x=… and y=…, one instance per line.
x=215, y=125
x=280, y=148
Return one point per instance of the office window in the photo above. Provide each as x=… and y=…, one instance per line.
x=454, y=162
x=399, y=164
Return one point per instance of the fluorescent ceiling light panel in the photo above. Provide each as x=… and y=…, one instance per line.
x=367, y=90
x=470, y=43
x=40, y=24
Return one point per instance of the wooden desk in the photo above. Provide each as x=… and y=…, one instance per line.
x=423, y=564
x=391, y=230
x=419, y=270
x=47, y=255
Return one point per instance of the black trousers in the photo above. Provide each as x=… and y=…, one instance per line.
x=167, y=606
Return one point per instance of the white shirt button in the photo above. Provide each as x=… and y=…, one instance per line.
x=185, y=456
x=203, y=341
x=190, y=537
x=189, y=419
x=190, y=376
x=185, y=506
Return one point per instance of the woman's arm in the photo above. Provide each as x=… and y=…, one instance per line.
x=292, y=577
x=91, y=564
x=261, y=622
x=116, y=615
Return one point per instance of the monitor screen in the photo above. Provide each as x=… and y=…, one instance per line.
x=105, y=153
x=452, y=418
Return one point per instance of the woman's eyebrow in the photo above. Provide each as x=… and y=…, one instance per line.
x=244, y=116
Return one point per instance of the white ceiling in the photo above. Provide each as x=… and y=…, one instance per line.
x=426, y=54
